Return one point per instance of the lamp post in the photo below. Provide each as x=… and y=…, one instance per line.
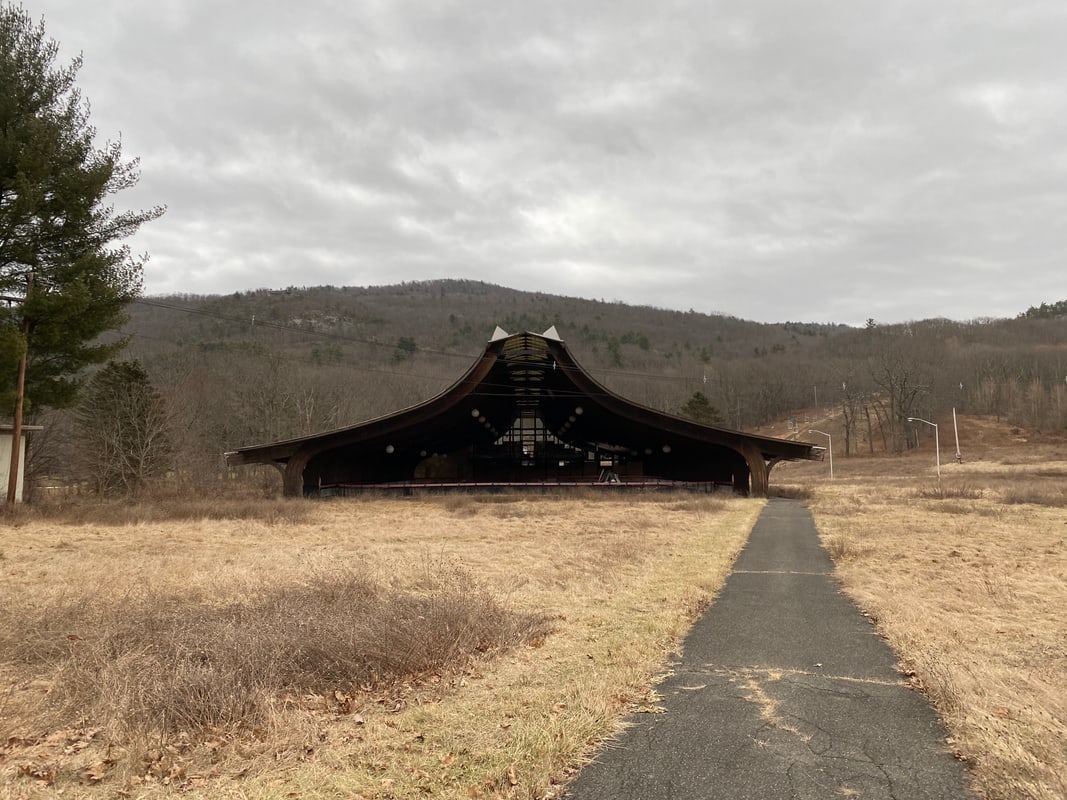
x=829, y=448
x=937, y=444
x=956, y=430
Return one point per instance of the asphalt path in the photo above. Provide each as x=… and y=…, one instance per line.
x=783, y=690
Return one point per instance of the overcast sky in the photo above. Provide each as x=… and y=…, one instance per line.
x=774, y=160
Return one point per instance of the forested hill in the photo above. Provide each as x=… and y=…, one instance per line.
x=263, y=365
x=392, y=346
x=459, y=316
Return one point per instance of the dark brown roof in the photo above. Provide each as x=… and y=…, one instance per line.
x=520, y=372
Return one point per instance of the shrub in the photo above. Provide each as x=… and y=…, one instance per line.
x=152, y=663
x=845, y=548
x=790, y=492
x=945, y=491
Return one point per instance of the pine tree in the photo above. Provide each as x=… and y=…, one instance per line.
x=700, y=409
x=63, y=272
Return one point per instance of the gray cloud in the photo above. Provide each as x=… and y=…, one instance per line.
x=818, y=161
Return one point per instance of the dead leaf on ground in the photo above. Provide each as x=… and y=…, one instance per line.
x=650, y=709
x=46, y=773
x=79, y=740
x=97, y=771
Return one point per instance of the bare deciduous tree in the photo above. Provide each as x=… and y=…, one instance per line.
x=122, y=430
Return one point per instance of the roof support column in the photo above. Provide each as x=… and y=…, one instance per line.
x=293, y=476
x=759, y=473
x=771, y=464
x=292, y=481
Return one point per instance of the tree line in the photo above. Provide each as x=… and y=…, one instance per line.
x=324, y=357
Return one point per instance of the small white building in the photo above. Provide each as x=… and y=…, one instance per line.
x=6, y=432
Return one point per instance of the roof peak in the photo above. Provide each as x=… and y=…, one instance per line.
x=500, y=334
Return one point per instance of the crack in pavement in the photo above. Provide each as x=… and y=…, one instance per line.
x=767, y=705
x=776, y=673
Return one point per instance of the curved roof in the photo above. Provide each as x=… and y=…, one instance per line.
x=525, y=372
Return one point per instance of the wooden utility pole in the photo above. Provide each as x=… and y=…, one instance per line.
x=16, y=434
x=20, y=395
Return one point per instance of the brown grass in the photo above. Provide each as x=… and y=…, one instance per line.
x=1051, y=496
x=455, y=646
x=970, y=588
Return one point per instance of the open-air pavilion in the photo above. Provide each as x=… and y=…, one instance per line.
x=525, y=414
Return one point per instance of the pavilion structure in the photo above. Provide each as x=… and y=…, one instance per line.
x=525, y=414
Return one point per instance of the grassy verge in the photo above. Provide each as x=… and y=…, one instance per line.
x=968, y=582
x=377, y=649
x=118, y=512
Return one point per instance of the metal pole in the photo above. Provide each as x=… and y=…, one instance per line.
x=937, y=444
x=937, y=448
x=956, y=430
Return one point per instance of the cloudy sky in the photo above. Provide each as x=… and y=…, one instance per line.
x=774, y=160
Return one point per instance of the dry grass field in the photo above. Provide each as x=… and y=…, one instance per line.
x=454, y=647
x=482, y=647
x=968, y=582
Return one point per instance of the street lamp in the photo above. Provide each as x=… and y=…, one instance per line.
x=829, y=448
x=937, y=444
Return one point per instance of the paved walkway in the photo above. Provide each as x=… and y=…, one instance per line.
x=783, y=691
